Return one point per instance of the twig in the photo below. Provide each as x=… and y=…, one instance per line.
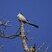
x=10, y=37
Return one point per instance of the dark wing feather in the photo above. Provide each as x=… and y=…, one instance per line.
x=33, y=25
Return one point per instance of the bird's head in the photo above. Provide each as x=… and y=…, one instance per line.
x=21, y=17
x=18, y=14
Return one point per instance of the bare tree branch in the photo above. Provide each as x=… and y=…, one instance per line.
x=9, y=37
x=5, y=24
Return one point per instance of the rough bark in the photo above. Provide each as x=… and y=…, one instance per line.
x=23, y=38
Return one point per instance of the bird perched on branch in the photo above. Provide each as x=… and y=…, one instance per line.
x=22, y=18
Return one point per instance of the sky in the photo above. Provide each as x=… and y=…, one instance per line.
x=38, y=12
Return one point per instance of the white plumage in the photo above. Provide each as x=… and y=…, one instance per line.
x=21, y=17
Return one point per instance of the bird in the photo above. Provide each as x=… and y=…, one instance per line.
x=22, y=18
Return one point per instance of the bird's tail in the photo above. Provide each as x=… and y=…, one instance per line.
x=33, y=25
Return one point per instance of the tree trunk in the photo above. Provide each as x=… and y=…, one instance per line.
x=23, y=38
